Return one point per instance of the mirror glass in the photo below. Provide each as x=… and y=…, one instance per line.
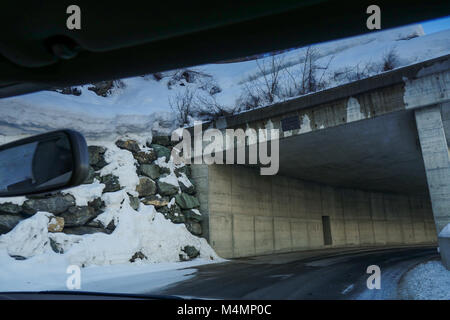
x=36, y=165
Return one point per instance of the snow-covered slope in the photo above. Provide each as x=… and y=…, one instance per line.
x=142, y=103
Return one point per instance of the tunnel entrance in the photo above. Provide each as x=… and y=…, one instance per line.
x=326, y=227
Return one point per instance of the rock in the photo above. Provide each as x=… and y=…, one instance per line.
x=97, y=204
x=56, y=247
x=78, y=216
x=145, y=157
x=111, y=226
x=111, y=183
x=186, y=201
x=149, y=170
x=166, y=189
x=97, y=224
x=96, y=157
x=138, y=255
x=55, y=204
x=173, y=213
x=162, y=140
x=17, y=257
x=192, y=215
x=9, y=207
x=129, y=145
x=91, y=176
x=161, y=151
x=186, y=185
x=105, y=88
x=56, y=224
x=164, y=170
x=85, y=230
x=190, y=252
x=184, y=169
x=68, y=90
x=134, y=202
x=155, y=201
x=146, y=186
x=194, y=227
x=8, y=222
x=40, y=195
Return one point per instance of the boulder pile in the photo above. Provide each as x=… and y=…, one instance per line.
x=162, y=184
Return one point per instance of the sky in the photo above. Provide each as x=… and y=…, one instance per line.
x=436, y=25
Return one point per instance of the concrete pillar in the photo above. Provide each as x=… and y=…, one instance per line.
x=436, y=159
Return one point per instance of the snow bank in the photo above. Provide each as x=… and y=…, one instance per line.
x=105, y=257
x=142, y=104
x=427, y=281
x=29, y=238
x=48, y=272
x=145, y=231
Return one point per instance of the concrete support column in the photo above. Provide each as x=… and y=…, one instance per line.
x=436, y=159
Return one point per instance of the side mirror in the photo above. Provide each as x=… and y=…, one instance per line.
x=43, y=163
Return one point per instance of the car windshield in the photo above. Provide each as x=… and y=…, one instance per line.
x=247, y=178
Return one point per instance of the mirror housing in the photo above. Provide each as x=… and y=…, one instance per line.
x=43, y=163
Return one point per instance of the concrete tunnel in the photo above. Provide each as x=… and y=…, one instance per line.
x=363, y=164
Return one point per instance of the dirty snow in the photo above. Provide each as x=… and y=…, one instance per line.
x=427, y=281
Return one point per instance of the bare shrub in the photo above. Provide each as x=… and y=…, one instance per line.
x=208, y=108
x=182, y=105
x=277, y=81
x=310, y=80
x=390, y=60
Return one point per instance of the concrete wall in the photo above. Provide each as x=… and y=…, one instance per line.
x=247, y=214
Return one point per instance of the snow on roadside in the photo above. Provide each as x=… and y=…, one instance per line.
x=49, y=272
x=146, y=231
x=105, y=258
x=427, y=281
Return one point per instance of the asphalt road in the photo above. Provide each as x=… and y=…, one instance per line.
x=303, y=275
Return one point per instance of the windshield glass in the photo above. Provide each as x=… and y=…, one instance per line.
x=342, y=174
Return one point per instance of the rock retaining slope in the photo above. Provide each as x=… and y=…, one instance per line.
x=126, y=178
